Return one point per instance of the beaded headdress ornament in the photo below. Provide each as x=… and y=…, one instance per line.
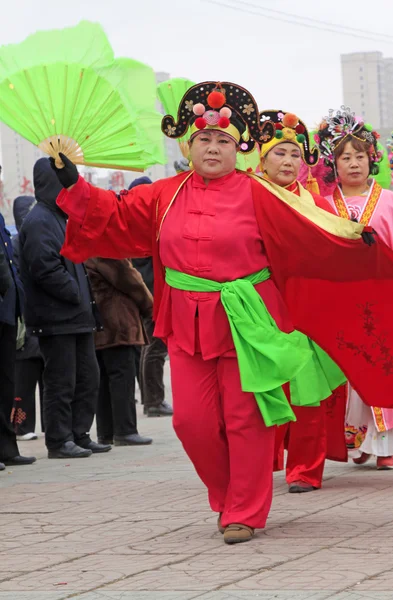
x=340, y=124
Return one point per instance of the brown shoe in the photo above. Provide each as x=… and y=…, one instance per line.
x=220, y=528
x=237, y=533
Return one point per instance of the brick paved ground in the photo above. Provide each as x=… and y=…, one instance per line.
x=134, y=525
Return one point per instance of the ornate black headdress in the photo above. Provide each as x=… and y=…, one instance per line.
x=289, y=128
x=221, y=106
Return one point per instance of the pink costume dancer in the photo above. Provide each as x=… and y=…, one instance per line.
x=350, y=148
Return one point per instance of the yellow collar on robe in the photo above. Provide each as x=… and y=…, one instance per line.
x=304, y=204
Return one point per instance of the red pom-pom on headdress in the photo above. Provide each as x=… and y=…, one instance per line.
x=278, y=125
x=224, y=122
x=200, y=123
x=216, y=99
x=300, y=128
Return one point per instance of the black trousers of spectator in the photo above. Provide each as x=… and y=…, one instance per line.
x=116, y=412
x=28, y=373
x=71, y=383
x=8, y=445
x=151, y=378
x=137, y=351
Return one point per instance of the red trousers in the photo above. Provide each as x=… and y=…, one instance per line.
x=306, y=442
x=224, y=435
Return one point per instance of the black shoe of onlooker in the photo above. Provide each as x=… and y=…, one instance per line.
x=96, y=448
x=15, y=461
x=133, y=439
x=69, y=450
x=162, y=410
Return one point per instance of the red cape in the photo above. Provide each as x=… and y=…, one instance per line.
x=339, y=292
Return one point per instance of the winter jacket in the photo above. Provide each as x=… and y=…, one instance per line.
x=145, y=268
x=122, y=299
x=5, y=275
x=13, y=301
x=21, y=208
x=59, y=299
x=144, y=265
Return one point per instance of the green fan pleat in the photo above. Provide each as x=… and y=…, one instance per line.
x=245, y=162
x=170, y=93
x=67, y=83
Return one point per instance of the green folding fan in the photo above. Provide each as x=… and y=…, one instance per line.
x=65, y=92
x=170, y=93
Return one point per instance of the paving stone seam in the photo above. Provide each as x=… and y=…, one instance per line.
x=65, y=562
x=352, y=587
x=124, y=577
x=62, y=562
x=315, y=512
x=257, y=571
x=61, y=535
x=288, y=562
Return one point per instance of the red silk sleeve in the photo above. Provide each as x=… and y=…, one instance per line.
x=75, y=200
x=107, y=225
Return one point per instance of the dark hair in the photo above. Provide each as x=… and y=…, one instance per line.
x=359, y=146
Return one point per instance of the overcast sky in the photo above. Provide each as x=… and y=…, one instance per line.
x=284, y=65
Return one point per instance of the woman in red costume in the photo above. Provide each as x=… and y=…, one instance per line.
x=349, y=147
x=305, y=438
x=213, y=236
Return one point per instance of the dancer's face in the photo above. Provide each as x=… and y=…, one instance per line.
x=282, y=163
x=213, y=154
x=353, y=166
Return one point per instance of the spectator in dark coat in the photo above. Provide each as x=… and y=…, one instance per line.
x=152, y=359
x=11, y=308
x=29, y=366
x=122, y=299
x=60, y=311
x=5, y=275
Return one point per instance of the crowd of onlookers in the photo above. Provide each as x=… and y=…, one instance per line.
x=80, y=334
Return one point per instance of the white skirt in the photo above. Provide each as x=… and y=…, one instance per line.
x=361, y=433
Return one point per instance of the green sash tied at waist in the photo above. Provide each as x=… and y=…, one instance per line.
x=267, y=356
